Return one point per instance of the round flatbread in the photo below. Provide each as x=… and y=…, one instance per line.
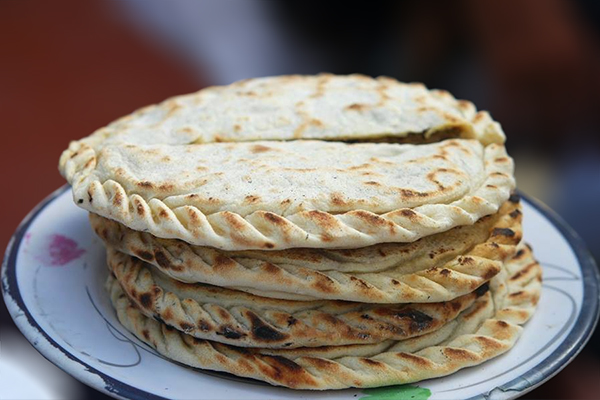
x=434, y=269
x=164, y=169
x=242, y=319
x=323, y=107
x=489, y=328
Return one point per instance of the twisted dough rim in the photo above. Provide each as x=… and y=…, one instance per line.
x=247, y=320
x=452, y=278
x=262, y=230
x=495, y=336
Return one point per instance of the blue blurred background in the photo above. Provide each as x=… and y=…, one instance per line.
x=69, y=67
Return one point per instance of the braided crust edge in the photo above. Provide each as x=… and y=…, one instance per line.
x=241, y=319
x=514, y=304
x=444, y=281
x=265, y=230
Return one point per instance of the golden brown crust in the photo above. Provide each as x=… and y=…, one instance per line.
x=434, y=269
x=242, y=319
x=235, y=211
x=475, y=337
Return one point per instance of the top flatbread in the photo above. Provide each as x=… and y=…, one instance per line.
x=327, y=107
x=160, y=170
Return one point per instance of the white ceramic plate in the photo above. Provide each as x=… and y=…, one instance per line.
x=53, y=275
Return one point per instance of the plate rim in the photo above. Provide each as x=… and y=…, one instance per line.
x=571, y=346
x=33, y=332
x=577, y=338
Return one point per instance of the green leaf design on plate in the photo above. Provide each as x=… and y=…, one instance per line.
x=402, y=392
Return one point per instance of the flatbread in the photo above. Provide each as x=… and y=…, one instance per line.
x=164, y=172
x=434, y=269
x=242, y=319
x=326, y=107
x=471, y=342
x=277, y=195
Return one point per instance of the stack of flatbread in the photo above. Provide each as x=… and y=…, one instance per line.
x=315, y=232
